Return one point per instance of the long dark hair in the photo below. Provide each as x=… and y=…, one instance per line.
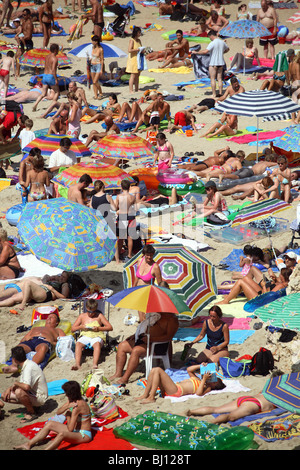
x=72, y=390
x=135, y=31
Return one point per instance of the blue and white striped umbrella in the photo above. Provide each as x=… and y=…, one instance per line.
x=108, y=50
x=259, y=103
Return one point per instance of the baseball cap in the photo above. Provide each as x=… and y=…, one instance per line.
x=291, y=255
x=210, y=184
x=290, y=52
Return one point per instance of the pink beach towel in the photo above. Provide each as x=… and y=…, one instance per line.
x=245, y=139
x=233, y=323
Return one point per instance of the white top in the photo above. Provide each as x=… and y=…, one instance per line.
x=217, y=48
x=32, y=375
x=26, y=137
x=59, y=158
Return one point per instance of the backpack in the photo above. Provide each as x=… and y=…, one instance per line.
x=76, y=285
x=262, y=362
x=13, y=106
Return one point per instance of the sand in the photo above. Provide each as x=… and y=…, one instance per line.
x=56, y=369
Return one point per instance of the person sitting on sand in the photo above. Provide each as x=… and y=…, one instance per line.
x=180, y=51
x=77, y=191
x=9, y=264
x=163, y=109
x=217, y=333
x=236, y=409
x=59, y=125
x=77, y=429
x=112, y=108
x=283, y=175
x=159, y=379
x=208, y=103
x=92, y=326
x=227, y=124
x=163, y=327
x=40, y=339
x=267, y=188
x=111, y=128
x=31, y=389
x=183, y=118
x=251, y=289
x=216, y=22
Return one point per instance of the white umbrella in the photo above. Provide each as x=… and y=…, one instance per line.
x=108, y=50
x=259, y=103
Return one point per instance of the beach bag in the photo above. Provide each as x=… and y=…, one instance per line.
x=234, y=369
x=262, y=362
x=65, y=348
x=94, y=379
x=13, y=106
x=104, y=406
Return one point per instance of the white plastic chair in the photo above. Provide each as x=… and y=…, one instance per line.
x=158, y=351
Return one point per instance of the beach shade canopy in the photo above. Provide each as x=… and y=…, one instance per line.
x=258, y=103
x=123, y=146
x=244, y=29
x=108, y=50
x=150, y=299
x=51, y=142
x=284, y=391
x=282, y=313
x=260, y=210
x=36, y=58
x=67, y=235
x=290, y=141
x=111, y=175
x=187, y=272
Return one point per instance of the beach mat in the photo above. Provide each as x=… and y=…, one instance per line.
x=189, y=334
x=257, y=416
x=232, y=261
x=278, y=428
x=233, y=323
x=102, y=440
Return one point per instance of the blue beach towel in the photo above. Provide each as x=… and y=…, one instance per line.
x=54, y=387
x=189, y=334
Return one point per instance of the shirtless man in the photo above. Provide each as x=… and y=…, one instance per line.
x=50, y=75
x=111, y=128
x=125, y=222
x=216, y=22
x=163, y=109
x=218, y=160
x=96, y=15
x=179, y=50
x=81, y=99
x=266, y=15
x=234, y=88
x=59, y=125
x=77, y=192
x=163, y=330
x=41, y=339
x=24, y=38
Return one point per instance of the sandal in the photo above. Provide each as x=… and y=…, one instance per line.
x=28, y=418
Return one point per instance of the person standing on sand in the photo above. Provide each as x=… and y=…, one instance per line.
x=50, y=75
x=267, y=16
x=96, y=15
x=46, y=20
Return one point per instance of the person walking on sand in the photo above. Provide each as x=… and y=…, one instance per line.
x=132, y=67
x=6, y=64
x=46, y=20
x=50, y=75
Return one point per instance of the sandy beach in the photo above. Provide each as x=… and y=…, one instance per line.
x=216, y=251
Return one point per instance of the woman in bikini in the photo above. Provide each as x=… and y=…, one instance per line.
x=112, y=108
x=9, y=265
x=165, y=152
x=97, y=67
x=77, y=430
x=245, y=58
x=158, y=378
x=74, y=117
x=147, y=272
x=37, y=180
x=227, y=124
x=46, y=20
x=217, y=337
x=275, y=83
x=236, y=409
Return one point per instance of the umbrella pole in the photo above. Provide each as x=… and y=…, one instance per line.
x=257, y=131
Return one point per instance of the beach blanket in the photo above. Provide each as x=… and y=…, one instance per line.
x=55, y=387
x=295, y=18
x=232, y=261
x=4, y=183
x=241, y=133
x=260, y=210
x=257, y=416
x=233, y=323
x=178, y=70
x=262, y=136
x=33, y=267
x=278, y=428
x=189, y=334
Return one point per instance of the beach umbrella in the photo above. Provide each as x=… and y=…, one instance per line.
x=284, y=391
x=288, y=144
x=282, y=313
x=258, y=103
x=260, y=210
x=51, y=142
x=187, y=272
x=36, y=58
x=108, y=50
x=123, y=146
x=111, y=175
x=67, y=235
x=244, y=29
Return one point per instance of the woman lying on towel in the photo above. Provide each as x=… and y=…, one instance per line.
x=251, y=288
x=35, y=290
x=9, y=265
x=26, y=96
x=112, y=108
x=159, y=379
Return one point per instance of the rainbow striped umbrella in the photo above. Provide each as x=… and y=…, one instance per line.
x=111, y=175
x=50, y=142
x=188, y=274
x=67, y=235
x=123, y=146
x=36, y=58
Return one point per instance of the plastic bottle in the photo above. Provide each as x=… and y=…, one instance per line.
x=184, y=352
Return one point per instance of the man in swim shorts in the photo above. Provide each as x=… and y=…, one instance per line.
x=266, y=15
x=50, y=75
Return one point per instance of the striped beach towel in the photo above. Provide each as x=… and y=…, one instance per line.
x=259, y=210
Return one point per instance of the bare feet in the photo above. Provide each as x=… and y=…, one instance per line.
x=148, y=400
x=22, y=447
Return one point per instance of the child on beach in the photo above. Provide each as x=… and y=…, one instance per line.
x=37, y=180
x=27, y=135
x=245, y=263
x=7, y=63
x=92, y=325
x=164, y=153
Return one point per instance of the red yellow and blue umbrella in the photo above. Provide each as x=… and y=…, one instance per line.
x=187, y=272
x=111, y=175
x=123, y=146
x=36, y=58
x=51, y=142
x=67, y=235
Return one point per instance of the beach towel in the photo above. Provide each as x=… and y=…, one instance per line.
x=260, y=210
x=273, y=413
x=278, y=428
x=102, y=440
x=233, y=323
x=295, y=18
x=4, y=183
x=189, y=334
x=178, y=70
x=232, y=261
x=55, y=387
x=246, y=138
